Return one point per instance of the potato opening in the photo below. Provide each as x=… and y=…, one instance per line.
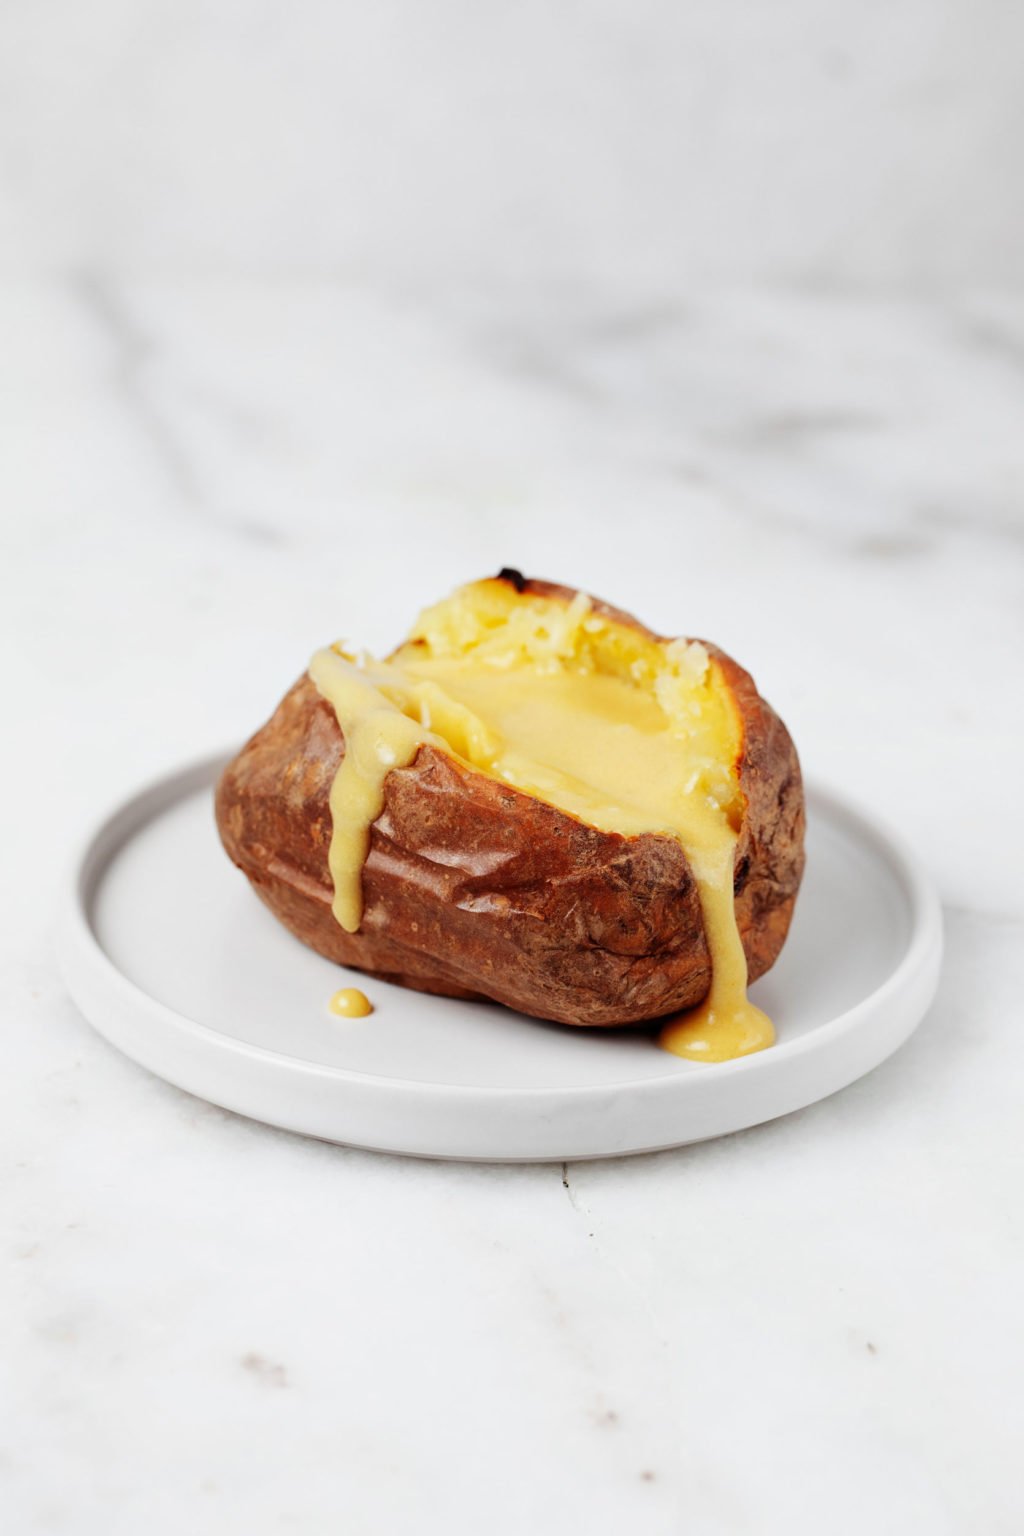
x=629, y=733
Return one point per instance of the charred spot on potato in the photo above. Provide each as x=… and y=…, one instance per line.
x=513, y=577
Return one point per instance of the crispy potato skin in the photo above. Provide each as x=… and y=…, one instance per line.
x=474, y=889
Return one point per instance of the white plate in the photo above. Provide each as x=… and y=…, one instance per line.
x=170, y=955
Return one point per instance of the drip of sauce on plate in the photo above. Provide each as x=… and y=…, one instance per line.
x=726, y=1024
x=350, y=1003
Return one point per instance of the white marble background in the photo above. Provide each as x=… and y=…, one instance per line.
x=307, y=314
x=636, y=143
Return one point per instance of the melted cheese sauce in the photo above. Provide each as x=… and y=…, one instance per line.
x=350, y=1003
x=378, y=737
x=592, y=743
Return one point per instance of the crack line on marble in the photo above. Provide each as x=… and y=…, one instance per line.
x=132, y=350
x=571, y=1193
x=602, y=1254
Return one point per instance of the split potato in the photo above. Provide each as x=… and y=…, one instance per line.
x=544, y=821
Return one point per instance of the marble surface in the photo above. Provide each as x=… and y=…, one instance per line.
x=638, y=144
x=813, y=1326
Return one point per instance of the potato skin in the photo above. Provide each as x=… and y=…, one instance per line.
x=473, y=889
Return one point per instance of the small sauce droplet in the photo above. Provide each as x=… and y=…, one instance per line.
x=350, y=1003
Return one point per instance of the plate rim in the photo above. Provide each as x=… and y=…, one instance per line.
x=80, y=952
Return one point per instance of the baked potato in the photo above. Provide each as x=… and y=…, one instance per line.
x=477, y=877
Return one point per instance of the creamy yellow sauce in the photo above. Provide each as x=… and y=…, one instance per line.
x=378, y=737
x=645, y=747
x=350, y=1003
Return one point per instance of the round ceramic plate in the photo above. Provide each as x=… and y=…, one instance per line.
x=170, y=955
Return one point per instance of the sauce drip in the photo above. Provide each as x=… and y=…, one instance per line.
x=378, y=737
x=726, y=1024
